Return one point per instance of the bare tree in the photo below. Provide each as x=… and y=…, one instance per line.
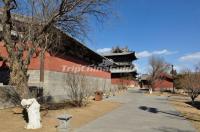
x=158, y=66
x=77, y=89
x=38, y=26
x=190, y=82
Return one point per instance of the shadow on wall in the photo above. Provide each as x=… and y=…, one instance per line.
x=4, y=75
x=172, y=113
x=8, y=97
x=45, y=99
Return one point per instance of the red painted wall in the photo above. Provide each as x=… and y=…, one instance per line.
x=64, y=64
x=120, y=81
x=163, y=84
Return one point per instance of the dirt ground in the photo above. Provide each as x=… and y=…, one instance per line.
x=10, y=122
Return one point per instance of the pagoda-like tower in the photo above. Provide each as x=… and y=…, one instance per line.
x=124, y=67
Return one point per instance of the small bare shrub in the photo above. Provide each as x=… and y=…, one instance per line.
x=78, y=90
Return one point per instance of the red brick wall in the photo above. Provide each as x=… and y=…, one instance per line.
x=64, y=64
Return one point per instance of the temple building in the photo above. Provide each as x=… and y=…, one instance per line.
x=49, y=75
x=124, y=72
x=163, y=83
x=75, y=58
x=50, y=72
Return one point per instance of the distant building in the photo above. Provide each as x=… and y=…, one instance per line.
x=165, y=82
x=144, y=81
x=124, y=71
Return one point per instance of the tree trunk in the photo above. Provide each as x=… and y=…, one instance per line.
x=193, y=102
x=19, y=79
x=42, y=66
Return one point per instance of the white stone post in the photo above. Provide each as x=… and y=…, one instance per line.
x=33, y=110
x=150, y=90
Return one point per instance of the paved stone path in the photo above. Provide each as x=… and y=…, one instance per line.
x=140, y=113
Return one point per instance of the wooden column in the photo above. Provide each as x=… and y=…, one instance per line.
x=42, y=67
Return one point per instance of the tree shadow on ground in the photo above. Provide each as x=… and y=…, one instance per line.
x=172, y=113
x=144, y=89
x=196, y=104
x=169, y=129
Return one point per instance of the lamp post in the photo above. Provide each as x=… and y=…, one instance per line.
x=173, y=78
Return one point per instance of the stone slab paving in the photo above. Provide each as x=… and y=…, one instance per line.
x=140, y=113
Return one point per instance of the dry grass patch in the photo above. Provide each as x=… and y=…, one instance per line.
x=10, y=122
x=189, y=112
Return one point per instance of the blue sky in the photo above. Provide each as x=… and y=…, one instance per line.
x=168, y=28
